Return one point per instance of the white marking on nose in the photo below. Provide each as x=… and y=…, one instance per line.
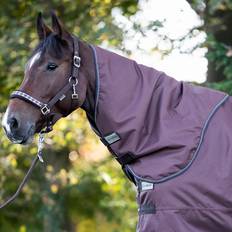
x=34, y=59
x=4, y=121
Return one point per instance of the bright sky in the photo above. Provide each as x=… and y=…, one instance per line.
x=180, y=18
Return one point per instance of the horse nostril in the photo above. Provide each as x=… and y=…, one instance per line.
x=13, y=123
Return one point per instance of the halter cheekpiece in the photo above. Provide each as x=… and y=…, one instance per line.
x=45, y=108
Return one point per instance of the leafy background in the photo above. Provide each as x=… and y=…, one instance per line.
x=81, y=188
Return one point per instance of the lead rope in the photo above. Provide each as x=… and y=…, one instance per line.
x=33, y=164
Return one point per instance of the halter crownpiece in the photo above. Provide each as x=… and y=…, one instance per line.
x=45, y=108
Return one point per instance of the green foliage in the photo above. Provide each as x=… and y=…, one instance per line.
x=72, y=192
x=221, y=55
x=90, y=20
x=216, y=16
x=212, y=5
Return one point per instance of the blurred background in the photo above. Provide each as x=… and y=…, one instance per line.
x=81, y=188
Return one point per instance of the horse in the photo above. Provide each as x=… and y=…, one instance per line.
x=172, y=139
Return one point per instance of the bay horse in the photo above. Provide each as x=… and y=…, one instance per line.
x=172, y=139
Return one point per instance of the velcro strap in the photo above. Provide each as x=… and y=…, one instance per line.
x=122, y=159
x=147, y=209
x=126, y=158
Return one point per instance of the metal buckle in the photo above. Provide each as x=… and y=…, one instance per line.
x=75, y=96
x=45, y=110
x=77, y=61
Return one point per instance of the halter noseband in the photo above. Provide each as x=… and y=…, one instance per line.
x=45, y=108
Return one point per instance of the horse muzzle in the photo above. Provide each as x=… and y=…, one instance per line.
x=17, y=131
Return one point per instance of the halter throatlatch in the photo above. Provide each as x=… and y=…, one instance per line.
x=45, y=109
x=72, y=83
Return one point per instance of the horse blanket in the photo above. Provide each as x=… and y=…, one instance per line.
x=173, y=140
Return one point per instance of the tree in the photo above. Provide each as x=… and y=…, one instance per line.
x=90, y=20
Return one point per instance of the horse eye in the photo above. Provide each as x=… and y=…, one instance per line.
x=51, y=67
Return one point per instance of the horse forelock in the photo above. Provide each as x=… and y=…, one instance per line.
x=52, y=45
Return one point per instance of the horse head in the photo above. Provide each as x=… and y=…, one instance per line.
x=41, y=98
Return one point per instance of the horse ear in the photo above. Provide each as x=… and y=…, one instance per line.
x=42, y=29
x=58, y=27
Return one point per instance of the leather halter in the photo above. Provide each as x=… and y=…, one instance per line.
x=45, y=108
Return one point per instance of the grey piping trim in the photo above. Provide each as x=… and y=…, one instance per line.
x=28, y=97
x=181, y=171
x=97, y=82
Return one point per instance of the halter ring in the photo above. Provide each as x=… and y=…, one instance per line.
x=73, y=79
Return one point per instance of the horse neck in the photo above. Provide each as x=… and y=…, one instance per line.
x=88, y=70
